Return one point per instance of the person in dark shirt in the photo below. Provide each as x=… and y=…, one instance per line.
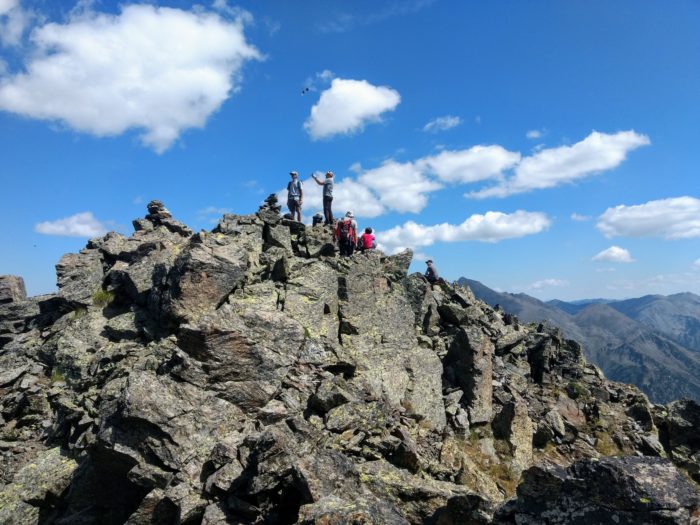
x=431, y=274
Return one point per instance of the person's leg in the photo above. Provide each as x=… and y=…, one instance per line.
x=327, y=213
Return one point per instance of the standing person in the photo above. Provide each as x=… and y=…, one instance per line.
x=295, y=196
x=346, y=234
x=367, y=240
x=327, y=196
x=431, y=274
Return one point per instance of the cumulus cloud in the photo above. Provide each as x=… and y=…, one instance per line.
x=675, y=218
x=534, y=134
x=469, y=165
x=155, y=69
x=79, y=225
x=442, y=124
x=402, y=187
x=614, y=254
x=552, y=167
x=547, y=283
x=580, y=218
x=347, y=106
x=493, y=226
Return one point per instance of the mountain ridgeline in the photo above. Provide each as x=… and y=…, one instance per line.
x=249, y=375
x=652, y=342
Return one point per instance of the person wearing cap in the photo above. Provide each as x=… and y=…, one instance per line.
x=295, y=196
x=346, y=234
x=431, y=274
x=327, y=196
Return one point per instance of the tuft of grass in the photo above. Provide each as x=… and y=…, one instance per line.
x=605, y=444
x=102, y=298
x=576, y=390
x=57, y=376
x=79, y=313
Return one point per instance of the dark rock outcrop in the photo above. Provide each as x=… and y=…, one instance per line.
x=248, y=375
x=623, y=491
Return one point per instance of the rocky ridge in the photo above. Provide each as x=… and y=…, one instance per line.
x=248, y=375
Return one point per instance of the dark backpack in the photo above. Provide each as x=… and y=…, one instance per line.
x=345, y=231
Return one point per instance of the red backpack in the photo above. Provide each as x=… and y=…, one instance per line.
x=367, y=241
x=345, y=230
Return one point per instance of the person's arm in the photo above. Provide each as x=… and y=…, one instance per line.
x=301, y=193
x=319, y=182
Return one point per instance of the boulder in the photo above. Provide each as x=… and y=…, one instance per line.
x=470, y=356
x=80, y=276
x=629, y=491
x=12, y=289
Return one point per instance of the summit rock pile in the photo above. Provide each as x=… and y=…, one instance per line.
x=248, y=375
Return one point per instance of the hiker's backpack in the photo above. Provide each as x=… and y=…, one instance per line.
x=345, y=231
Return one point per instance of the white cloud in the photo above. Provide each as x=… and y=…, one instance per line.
x=493, y=226
x=79, y=225
x=697, y=263
x=555, y=166
x=469, y=165
x=547, y=283
x=400, y=186
x=347, y=106
x=533, y=134
x=7, y=5
x=159, y=70
x=442, y=124
x=614, y=254
x=676, y=218
x=14, y=21
x=580, y=218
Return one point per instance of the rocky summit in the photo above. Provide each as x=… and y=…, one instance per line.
x=248, y=375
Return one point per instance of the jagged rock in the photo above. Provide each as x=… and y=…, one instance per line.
x=158, y=215
x=637, y=491
x=12, y=289
x=471, y=355
x=204, y=275
x=248, y=375
x=35, y=491
x=678, y=432
x=332, y=510
x=244, y=353
x=514, y=425
x=80, y=276
x=422, y=499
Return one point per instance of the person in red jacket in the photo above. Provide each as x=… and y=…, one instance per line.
x=367, y=240
x=346, y=234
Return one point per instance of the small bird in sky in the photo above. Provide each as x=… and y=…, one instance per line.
x=305, y=90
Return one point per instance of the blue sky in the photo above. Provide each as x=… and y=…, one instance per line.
x=545, y=147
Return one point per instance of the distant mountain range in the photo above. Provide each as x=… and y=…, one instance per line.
x=651, y=341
